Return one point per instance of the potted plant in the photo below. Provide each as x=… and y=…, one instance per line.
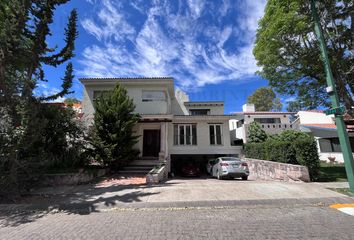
x=331, y=159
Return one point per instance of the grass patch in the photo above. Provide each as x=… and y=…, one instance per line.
x=330, y=172
x=344, y=191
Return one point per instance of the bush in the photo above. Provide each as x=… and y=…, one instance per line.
x=255, y=150
x=278, y=151
x=289, y=147
x=307, y=155
x=256, y=133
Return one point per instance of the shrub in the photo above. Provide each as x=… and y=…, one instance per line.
x=289, y=147
x=255, y=150
x=307, y=155
x=256, y=133
x=278, y=151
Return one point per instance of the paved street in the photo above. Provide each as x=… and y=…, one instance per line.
x=237, y=222
x=181, y=209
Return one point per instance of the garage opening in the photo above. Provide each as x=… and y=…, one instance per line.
x=178, y=161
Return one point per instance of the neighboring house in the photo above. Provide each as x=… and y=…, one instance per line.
x=76, y=107
x=171, y=127
x=271, y=123
x=323, y=128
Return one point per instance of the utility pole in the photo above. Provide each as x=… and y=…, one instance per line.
x=337, y=110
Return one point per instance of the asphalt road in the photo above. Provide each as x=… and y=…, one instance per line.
x=232, y=222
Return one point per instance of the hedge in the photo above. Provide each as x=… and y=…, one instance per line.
x=302, y=151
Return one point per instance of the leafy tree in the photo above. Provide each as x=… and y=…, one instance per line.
x=265, y=99
x=288, y=53
x=256, y=133
x=112, y=133
x=24, y=29
x=294, y=106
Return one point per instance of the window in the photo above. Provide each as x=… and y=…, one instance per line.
x=185, y=134
x=240, y=123
x=153, y=96
x=215, y=133
x=199, y=112
x=267, y=120
x=329, y=145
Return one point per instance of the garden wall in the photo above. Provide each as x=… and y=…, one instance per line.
x=268, y=170
x=59, y=179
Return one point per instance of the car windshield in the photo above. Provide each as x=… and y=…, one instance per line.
x=230, y=159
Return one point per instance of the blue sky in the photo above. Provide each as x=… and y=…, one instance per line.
x=205, y=45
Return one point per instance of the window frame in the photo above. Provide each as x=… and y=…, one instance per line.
x=153, y=99
x=215, y=136
x=197, y=112
x=185, y=139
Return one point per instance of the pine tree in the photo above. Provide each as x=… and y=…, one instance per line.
x=114, y=119
x=24, y=28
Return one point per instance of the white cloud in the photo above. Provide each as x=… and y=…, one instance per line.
x=168, y=42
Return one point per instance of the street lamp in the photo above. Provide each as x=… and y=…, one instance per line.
x=337, y=110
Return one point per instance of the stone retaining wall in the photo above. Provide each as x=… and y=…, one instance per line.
x=59, y=179
x=268, y=170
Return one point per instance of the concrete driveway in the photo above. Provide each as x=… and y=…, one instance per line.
x=212, y=190
x=181, y=193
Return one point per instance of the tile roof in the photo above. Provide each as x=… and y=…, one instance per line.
x=320, y=125
x=265, y=113
x=123, y=78
x=314, y=110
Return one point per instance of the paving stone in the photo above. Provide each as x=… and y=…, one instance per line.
x=262, y=222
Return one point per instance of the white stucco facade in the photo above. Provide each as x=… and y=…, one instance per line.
x=323, y=129
x=162, y=118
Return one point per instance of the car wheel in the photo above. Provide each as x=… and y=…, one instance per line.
x=244, y=178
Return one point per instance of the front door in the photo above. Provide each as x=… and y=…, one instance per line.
x=151, y=143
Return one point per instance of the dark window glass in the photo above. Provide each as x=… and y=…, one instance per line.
x=194, y=134
x=181, y=134
x=188, y=135
x=267, y=120
x=240, y=123
x=335, y=145
x=212, y=134
x=218, y=134
x=199, y=112
x=175, y=134
x=325, y=145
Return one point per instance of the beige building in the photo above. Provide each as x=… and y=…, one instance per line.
x=171, y=128
x=270, y=122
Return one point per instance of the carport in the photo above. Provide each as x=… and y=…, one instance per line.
x=200, y=160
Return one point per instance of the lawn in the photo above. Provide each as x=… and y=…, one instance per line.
x=330, y=172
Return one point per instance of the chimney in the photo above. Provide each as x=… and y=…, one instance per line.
x=248, y=107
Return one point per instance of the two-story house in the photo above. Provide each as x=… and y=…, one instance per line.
x=270, y=122
x=171, y=128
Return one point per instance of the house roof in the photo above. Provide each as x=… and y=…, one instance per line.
x=320, y=125
x=124, y=79
x=161, y=81
x=264, y=113
x=324, y=126
x=313, y=110
x=205, y=103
